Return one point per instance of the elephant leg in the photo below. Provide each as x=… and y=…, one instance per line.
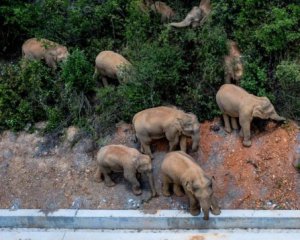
x=104, y=81
x=194, y=204
x=215, y=209
x=241, y=133
x=245, y=125
x=130, y=176
x=183, y=143
x=98, y=175
x=234, y=124
x=227, y=123
x=177, y=190
x=107, y=180
x=173, y=141
x=147, y=149
x=166, y=185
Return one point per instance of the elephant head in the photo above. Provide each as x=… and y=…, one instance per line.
x=203, y=192
x=192, y=18
x=144, y=166
x=265, y=110
x=60, y=53
x=190, y=127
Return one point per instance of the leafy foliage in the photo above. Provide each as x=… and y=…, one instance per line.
x=183, y=67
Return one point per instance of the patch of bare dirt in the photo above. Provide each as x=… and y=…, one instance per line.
x=57, y=172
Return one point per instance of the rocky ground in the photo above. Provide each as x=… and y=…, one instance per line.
x=50, y=172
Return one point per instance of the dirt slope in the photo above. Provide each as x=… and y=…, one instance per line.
x=40, y=172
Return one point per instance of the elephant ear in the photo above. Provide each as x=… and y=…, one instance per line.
x=186, y=122
x=53, y=53
x=261, y=109
x=189, y=186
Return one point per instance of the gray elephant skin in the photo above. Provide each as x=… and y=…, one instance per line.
x=235, y=102
x=119, y=158
x=179, y=171
x=169, y=122
x=43, y=49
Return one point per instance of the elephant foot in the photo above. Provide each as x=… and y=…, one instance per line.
x=98, y=179
x=178, y=192
x=166, y=193
x=247, y=143
x=154, y=194
x=215, y=211
x=136, y=190
x=109, y=184
x=195, y=211
x=228, y=130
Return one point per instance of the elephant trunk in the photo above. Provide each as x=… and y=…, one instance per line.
x=196, y=140
x=215, y=209
x=205, y=205
x=151, y=182
x=278, y=118
x=182, y=24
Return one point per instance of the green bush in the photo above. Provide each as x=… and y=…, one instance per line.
x=23, y=93
x=30, y=92
x=288, y=75
x=182, y=67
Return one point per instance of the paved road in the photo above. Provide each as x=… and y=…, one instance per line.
x=67, y=234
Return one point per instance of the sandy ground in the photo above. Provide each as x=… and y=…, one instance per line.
x=46, y=173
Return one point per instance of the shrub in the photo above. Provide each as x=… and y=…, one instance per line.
x=288, y=75
x=24, y=91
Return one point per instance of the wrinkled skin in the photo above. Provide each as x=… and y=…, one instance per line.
x=43, y=49
x=233, y=65
x=196, y=17
x=119, y=158
x=110, y=64
x=179, y=171
x=163, y=9
x=169, y=122
x=235, y=102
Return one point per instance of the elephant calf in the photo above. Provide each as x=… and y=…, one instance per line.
x=180, y=171
x=47, y=50
x=119, y=158
x=169, y=122
x=234, y=68
x=109, y=64
x=235, y=102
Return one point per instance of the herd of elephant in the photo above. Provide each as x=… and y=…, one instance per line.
x=178, y=169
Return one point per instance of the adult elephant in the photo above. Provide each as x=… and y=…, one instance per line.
x=235, y=102
x=169, y=122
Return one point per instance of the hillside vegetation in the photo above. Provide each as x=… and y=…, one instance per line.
x=182, y=67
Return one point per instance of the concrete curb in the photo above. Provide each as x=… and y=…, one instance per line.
x=138, y=220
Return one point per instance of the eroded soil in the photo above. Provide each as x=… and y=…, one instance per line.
x=39, y=172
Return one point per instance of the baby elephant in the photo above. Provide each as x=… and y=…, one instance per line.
x=47, y=50
x=179, y=170
x=235, y=102
x=109, y=64
x=119, y=158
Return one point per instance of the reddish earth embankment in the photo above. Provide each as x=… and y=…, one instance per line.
x=50, y=173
